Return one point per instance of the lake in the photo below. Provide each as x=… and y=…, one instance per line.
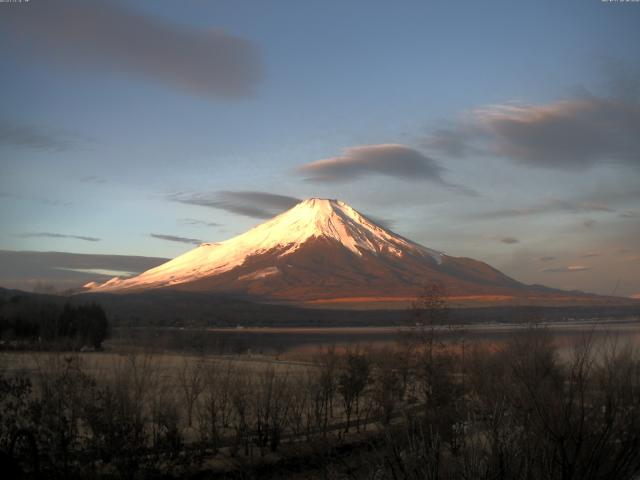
x=304, y=342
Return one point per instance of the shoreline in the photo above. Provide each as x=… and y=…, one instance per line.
x=485, y=326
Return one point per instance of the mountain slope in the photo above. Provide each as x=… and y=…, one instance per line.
x=320, y=251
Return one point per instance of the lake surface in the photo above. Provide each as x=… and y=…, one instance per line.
x=304, y=342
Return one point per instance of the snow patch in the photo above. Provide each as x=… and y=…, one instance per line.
x=265, y=272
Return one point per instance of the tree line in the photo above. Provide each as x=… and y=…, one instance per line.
x=29, y=322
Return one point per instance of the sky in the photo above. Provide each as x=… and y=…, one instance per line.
x=504, y=131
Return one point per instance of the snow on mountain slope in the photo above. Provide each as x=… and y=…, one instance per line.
x=323, y=252
x=285, y=234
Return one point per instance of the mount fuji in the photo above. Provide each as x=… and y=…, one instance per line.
x=324, y=252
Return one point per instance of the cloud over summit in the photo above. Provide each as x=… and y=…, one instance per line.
x=391, y=160
x=247, y=203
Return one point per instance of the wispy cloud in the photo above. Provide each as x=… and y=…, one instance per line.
x=93, y=179
x=383, y=222
x=629, y=214
x=509, y=240
x=391, y=160
x=247, y=203
x=546, y=258
x=591, y=255
x=549, y=206
x=111, y=35
x=100, y=271
x=33, y=136
x=41, y=200
x=57, y=235
x=567, y=269
x=196, y=222
x=174, y=238
x=604, y=199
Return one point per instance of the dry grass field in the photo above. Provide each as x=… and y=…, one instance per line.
x=437, y=400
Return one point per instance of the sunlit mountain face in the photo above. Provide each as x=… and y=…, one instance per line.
x=323, y=251
x=132, y=132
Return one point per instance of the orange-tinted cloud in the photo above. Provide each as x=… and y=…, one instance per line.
x=572, y=134
x=391, y=160
x=106, y=35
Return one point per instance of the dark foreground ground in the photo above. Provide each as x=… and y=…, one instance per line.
x=425, y=407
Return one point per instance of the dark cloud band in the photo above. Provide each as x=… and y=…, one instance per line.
x=174, y=238
x=32, y=136
x=63, y=270
x=57, y=235
x=109, y=35
x=196, y=222
x=388, y=159
x=573, y=134
x=391, y=160
x=509, y=240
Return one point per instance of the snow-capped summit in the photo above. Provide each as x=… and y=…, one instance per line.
x=319, y=249
x=332, y=219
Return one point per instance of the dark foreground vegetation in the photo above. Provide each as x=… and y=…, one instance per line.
x=37, y=322
x=423, y=410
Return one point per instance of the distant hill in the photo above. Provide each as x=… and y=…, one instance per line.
x=191, y=309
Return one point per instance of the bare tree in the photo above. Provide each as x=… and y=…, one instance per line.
x=271, y=407
x=353, y=378
x=215, y=407
x=191, y=384
x=387, y=390
x=430, y=314
x=301, y=398
x=327, y=363
x=241, y=390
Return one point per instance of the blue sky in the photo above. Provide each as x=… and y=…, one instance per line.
x=120, y=120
